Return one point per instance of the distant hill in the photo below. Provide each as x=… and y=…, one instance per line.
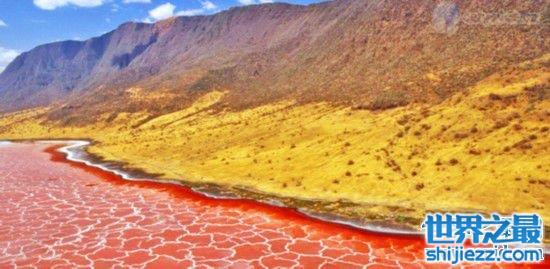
x=367, y=54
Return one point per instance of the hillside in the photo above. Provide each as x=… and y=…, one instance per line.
x=346, y=52
x=484, y=149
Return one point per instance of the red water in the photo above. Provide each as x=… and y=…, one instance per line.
x=60, y=214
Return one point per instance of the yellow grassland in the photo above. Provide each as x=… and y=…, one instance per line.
x=485, y=149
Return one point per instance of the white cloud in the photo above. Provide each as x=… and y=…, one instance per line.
x=6, y=56
x=53, y=4
x=247, y=2
x=161, y=12
x=167, y=10
x=2, y=23
x=137, y=1
x=208, y=5
x=205, y=6
x=266, y=1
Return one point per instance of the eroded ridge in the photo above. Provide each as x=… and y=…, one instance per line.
x=57, y=214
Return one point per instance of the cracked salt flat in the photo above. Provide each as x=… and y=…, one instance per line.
x=56, y=215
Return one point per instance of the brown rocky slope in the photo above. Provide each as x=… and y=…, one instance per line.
x=371, y=54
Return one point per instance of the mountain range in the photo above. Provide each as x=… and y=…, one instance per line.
x=372, y=54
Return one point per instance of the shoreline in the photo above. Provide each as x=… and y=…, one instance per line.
x=74, y=150
x=82, y=216
x=74, y=153
x=77, y=153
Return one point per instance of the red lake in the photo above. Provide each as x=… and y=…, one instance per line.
x=57, y=213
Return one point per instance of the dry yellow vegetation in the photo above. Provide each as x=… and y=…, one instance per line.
x=485, y=149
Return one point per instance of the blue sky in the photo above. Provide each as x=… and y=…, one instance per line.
x=24, y=24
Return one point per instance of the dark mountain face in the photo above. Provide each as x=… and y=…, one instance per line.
x=56, y=71
x=342, y=51
x=136, y=51
x=42, y=75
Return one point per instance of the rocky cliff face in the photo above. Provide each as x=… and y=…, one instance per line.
x=372, y=54
x=59, y=70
